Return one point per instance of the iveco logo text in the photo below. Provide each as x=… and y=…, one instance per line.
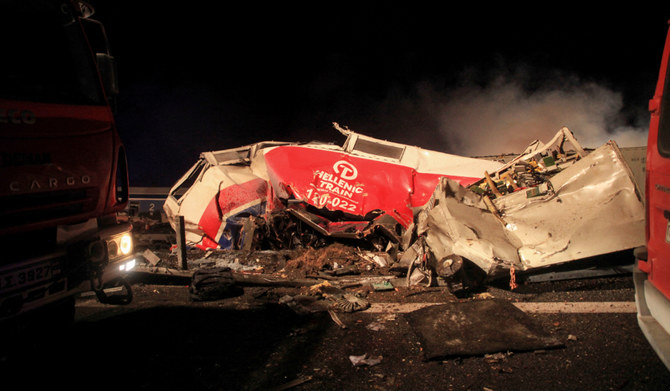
x=662, y=188
x=345, y=170
x=49, y=183
x=17, y=117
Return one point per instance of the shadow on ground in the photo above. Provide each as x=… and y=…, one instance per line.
x=170, y=348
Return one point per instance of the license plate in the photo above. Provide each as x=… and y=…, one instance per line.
x=28, y=275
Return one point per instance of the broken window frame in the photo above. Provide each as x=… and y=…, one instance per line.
x=241, y=155
x=229, y=156
x=188, y=180
x=353, y=142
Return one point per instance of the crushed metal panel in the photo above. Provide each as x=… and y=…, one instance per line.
x=594, y=209
x=215, y=204
x=562, y=142
x=591, y=207
x=326, y=227
x=460, y=224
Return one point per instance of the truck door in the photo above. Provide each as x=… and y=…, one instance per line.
x=652, y=275
x=658, y=182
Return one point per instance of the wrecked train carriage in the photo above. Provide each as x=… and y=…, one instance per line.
x=365, y=186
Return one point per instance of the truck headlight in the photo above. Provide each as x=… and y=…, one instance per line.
x=126, y=244
x=120, y=245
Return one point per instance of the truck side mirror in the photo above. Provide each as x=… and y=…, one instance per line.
x=107, y=67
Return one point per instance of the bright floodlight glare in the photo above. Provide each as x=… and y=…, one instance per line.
x=128, y=265
x=126, y=244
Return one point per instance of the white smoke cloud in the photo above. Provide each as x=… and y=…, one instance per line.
x=504, y=116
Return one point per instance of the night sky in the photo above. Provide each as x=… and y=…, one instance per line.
x=472, y=81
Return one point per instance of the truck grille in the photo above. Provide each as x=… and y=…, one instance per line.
x=18, y=210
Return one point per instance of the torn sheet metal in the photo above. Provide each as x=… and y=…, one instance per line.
x=366, y=185
x=590, y=207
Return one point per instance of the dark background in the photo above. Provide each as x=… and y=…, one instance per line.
x=210, y=75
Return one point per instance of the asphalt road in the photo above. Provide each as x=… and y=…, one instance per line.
x=163, y=340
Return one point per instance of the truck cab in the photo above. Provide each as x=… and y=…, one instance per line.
x=652, y=272
x=63, y=174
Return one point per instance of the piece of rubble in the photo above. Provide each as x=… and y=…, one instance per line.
x=151, y=257
x=375, y=326
x=348, y=302
x=383, y=286
x=325, y=297
x=336, y=319
x=497, y=357
x=364, y=360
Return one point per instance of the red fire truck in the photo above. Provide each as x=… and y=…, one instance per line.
x=652, y=275
x=63, y=174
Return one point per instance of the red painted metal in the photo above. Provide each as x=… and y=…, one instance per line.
x=658, y=187
x=353, y=185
